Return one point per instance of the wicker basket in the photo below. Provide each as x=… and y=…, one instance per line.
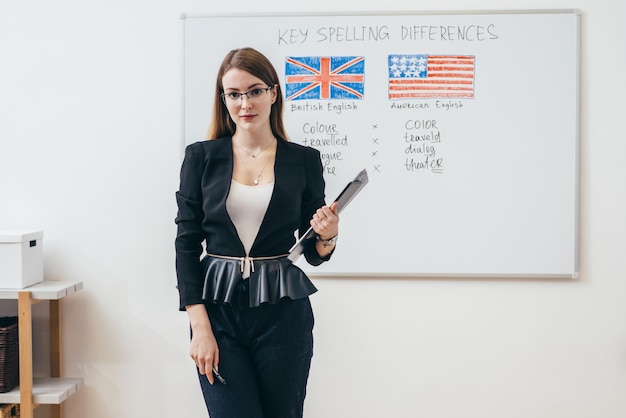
x=9, y=354
x=10, y=411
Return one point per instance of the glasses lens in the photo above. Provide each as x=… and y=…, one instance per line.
x=256, y=93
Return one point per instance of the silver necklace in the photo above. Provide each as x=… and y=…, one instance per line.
x=251, y=154
x=257, y=179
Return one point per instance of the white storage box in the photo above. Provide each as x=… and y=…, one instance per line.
x=21, y=259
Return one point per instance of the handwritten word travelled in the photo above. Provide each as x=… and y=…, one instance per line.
x=329, y=141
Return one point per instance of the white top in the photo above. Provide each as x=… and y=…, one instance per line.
x=246, y=206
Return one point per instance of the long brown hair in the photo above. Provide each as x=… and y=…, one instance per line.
x=257, y=64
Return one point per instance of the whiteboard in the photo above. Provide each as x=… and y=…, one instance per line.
x=467, y=123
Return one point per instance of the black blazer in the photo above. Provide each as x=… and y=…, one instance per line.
x=205, y=180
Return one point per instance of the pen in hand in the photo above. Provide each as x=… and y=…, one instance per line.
x=219, y=377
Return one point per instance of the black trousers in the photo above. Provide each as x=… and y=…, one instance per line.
x=265, y=357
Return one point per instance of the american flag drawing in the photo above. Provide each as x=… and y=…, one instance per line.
x=431, y=76
x=324, y=78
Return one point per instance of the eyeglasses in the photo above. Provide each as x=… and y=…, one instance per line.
x=253, y=95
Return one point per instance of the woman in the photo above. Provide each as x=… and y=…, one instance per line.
x=243, y=194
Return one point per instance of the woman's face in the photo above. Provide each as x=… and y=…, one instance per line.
x=249, y=111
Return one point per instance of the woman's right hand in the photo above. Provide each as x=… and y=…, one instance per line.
x=203, y=348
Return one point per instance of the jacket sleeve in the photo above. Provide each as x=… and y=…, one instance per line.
x=189, y=235
x=313, y=199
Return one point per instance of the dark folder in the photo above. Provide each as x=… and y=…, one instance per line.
x=345, y=197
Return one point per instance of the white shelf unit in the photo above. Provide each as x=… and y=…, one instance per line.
x=38, y=391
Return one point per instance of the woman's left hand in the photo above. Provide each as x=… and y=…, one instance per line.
x=325, y=221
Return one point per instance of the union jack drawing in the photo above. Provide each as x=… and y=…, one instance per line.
x=431, y=76
x=334, y=78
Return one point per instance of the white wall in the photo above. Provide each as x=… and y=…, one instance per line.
x=89, y=152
